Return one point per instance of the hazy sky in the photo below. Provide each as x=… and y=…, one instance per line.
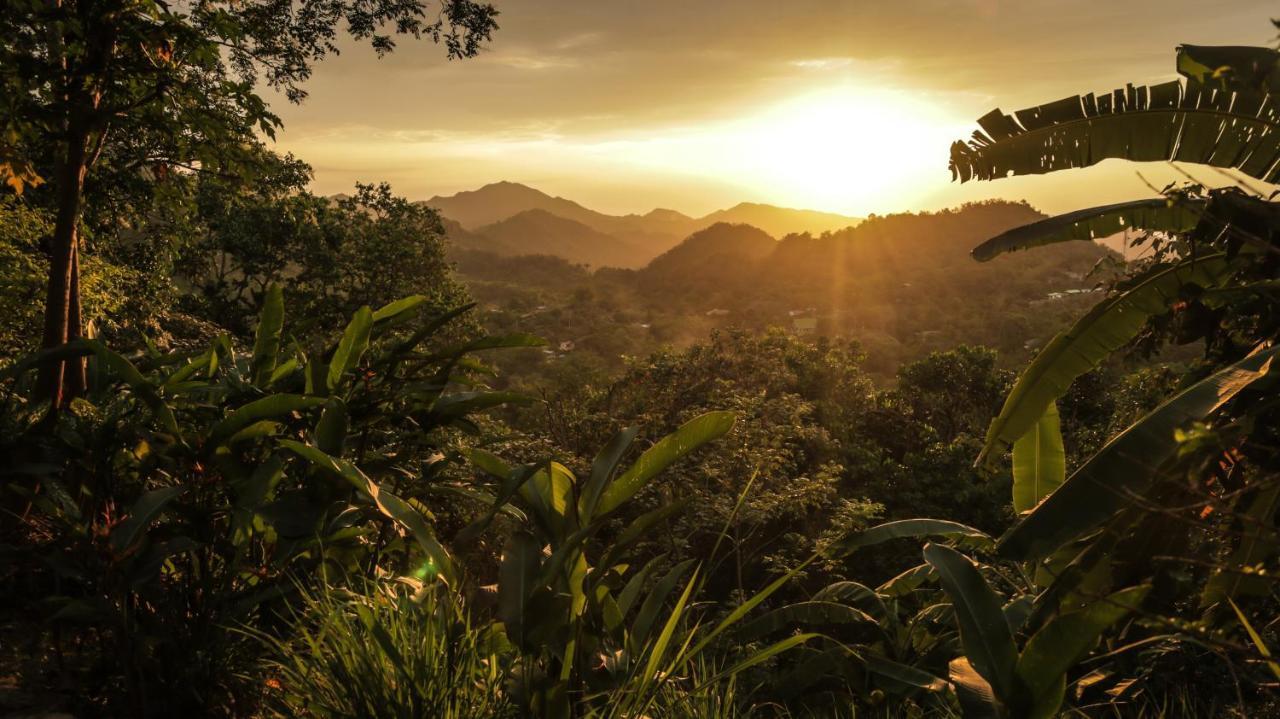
x=846, y=105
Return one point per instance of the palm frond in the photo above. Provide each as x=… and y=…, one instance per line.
x=1211, y=119
x=1158, y=214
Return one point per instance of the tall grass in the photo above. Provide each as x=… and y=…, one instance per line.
x=385, y=653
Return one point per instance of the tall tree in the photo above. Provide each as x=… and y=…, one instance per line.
x=162, y=86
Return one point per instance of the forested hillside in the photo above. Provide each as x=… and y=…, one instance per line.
x=268, y=452
x=901, y=285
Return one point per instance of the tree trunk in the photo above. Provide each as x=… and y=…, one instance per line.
x=61, y=380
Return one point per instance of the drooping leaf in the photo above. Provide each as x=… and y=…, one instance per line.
x=387, y=503
x=855, y=594
x=690, y=436
x=984, y=633
x=1104, y=329
x=1127, y=464
x=1153, y=215
x=1039, y=461
x=903, y=529
x=266, y=343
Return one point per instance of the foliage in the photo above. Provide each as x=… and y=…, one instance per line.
x=336, y=255
x=179, y=494
x=384, y=650
x=1180, y=505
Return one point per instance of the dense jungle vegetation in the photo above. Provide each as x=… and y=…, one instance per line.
x=264, y=453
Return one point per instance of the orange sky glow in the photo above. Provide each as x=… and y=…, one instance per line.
x=840, y=106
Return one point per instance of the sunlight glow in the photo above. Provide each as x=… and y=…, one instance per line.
x=852, y=150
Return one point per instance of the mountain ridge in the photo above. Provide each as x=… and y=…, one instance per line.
x=627, y=241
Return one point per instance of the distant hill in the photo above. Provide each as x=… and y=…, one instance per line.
x=780, y=221
x=720, y=253
x=903, y=285
x=539, y=232
x=476, y=212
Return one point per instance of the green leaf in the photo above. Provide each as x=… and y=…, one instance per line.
x=1039, y=461
x=638, y=637
x=331, y=431
x=902, y=673
x=521, y=560
x=1104, y=329
x=387, y=503
x=903, y=529
x=140, y=515
x=856, y=594
x=393, y=310
x=691, y=435
x=984, y=633
x=266, y=343
x=602, y=469
x=352, y=346
x=1063, y=642
x=1160, y=214
x=265, y=408
x=1126, y=465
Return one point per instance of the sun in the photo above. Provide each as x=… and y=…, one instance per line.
x=852, y=149
x=846, y=150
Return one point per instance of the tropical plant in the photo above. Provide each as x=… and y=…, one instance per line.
x=178, y=494
x=1190, y=485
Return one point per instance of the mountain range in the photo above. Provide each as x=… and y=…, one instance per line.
x=511, y=219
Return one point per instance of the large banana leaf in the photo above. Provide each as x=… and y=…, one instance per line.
x=984, y=633
x=1223, y=124
x=1159, y=214
x=1039, y=461
x=1106, y=328
x=691, y=435
x=1127, y=464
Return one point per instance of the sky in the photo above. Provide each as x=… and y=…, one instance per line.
x=695, y=105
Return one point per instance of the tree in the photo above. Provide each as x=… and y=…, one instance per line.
x=151, y=86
